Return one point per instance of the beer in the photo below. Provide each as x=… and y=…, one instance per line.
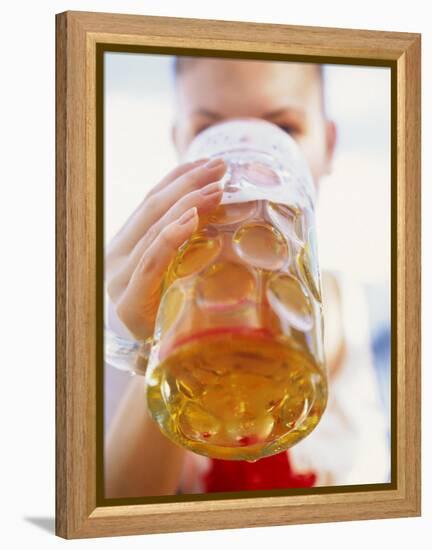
x=237, y=367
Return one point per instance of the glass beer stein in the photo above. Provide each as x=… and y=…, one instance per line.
x=236, y=368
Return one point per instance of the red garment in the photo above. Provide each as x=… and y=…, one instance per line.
x=272, y=472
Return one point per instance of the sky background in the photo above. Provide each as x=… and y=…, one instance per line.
x=353, y=213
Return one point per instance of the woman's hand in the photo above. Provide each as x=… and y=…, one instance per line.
x=141, y=251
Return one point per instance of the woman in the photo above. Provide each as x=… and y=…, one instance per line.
x=349, y=445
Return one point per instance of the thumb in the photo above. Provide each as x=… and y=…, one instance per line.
x=138, y=304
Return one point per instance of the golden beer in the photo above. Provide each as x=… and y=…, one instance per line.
x=236, y=369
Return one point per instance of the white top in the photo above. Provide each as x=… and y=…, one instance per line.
x=349, y=446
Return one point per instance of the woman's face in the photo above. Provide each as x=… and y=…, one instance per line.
x=287, y=94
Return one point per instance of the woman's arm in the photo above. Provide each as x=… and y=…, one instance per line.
x=139, y=459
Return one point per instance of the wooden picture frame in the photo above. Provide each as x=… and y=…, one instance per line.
x=81, y=39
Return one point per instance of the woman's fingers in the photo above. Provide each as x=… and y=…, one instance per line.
x=129, y=231
x=190, y=181
x=193, y=180
x=176, y=173
x=158, y=203
x=205, y=199
x=138, y=304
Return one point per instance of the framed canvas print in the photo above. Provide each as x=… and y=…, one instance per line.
x=238, y=274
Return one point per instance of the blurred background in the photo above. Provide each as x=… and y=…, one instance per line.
x=353, y=214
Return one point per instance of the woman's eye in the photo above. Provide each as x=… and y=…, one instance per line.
x=200, y=129
x=286, y=128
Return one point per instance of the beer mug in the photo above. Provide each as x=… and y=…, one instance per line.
x=236, y=368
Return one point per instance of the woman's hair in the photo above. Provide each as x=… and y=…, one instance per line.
x=182, y=63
